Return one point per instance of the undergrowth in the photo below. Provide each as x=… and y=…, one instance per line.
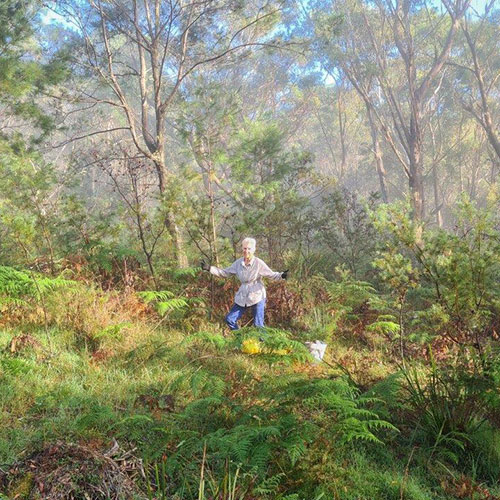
x=205, y=416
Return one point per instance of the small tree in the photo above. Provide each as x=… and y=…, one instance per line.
x=30, y=193
x=274, y=187
x=347, y=232
x=455, y=274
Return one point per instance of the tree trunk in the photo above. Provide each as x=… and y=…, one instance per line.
x=416, y=191
x=215, y=256
x=473, y=182
x=484, y=117
x=175, y=233
x=170, y=220
x=415, y=178
x=490, y=131
x=377, y=151
x=342, y=134
x=437, y=207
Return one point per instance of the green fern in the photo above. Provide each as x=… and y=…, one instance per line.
x=270, y=485
x=184, y=273
x=294, y=446
x=206, y=383
x=350, y=292
x=17, y=287
x=171, y=305
x=273, y=429
x=350, y=419
x=385, y=395
x=354, y=429
x=97, y=417
x=385, y=327
x=164, y=301
x=154, y=296
x=199, y=382
x=112, y=331
x=147, y=352
x=209, y=339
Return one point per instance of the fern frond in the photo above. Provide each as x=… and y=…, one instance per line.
x=201, y=406
x=112, y=331
x=261, y=454
x=295, y=447
x=171, y=305
x=270, y=485
x=147, y=352
x=384, y=327
x=155, y=296
x=187, y=272
x=16, y=286
x=268, y=431
x=164, y=301
x=207, y=338
x=381, y=424
x=352, y=429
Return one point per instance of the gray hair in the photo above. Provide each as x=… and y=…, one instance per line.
x=250, y=241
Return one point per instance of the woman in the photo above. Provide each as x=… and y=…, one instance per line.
x=252, y=294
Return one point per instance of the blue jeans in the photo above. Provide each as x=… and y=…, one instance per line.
x=237, y=311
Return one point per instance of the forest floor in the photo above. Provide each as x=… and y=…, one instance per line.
x=102, y=398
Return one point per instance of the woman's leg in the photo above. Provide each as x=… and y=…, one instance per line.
x=258, y=313
x=234, y=315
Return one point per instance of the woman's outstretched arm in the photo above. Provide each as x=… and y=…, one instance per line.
x=224, y=273
x=266, y=272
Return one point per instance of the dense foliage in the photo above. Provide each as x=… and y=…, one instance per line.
x=405, y=402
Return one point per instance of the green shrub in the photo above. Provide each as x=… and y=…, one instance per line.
x=443, y=282
x=18, y=287
x=449, y=408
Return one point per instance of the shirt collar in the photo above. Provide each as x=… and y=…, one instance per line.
x=251, y=262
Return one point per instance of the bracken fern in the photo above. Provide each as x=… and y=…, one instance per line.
x=17, y=287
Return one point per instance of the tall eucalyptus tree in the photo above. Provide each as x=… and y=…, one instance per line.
x=394, y=53
x=479, y=74
x=143, y=52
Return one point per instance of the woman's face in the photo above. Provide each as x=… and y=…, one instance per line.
x=248, y=251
